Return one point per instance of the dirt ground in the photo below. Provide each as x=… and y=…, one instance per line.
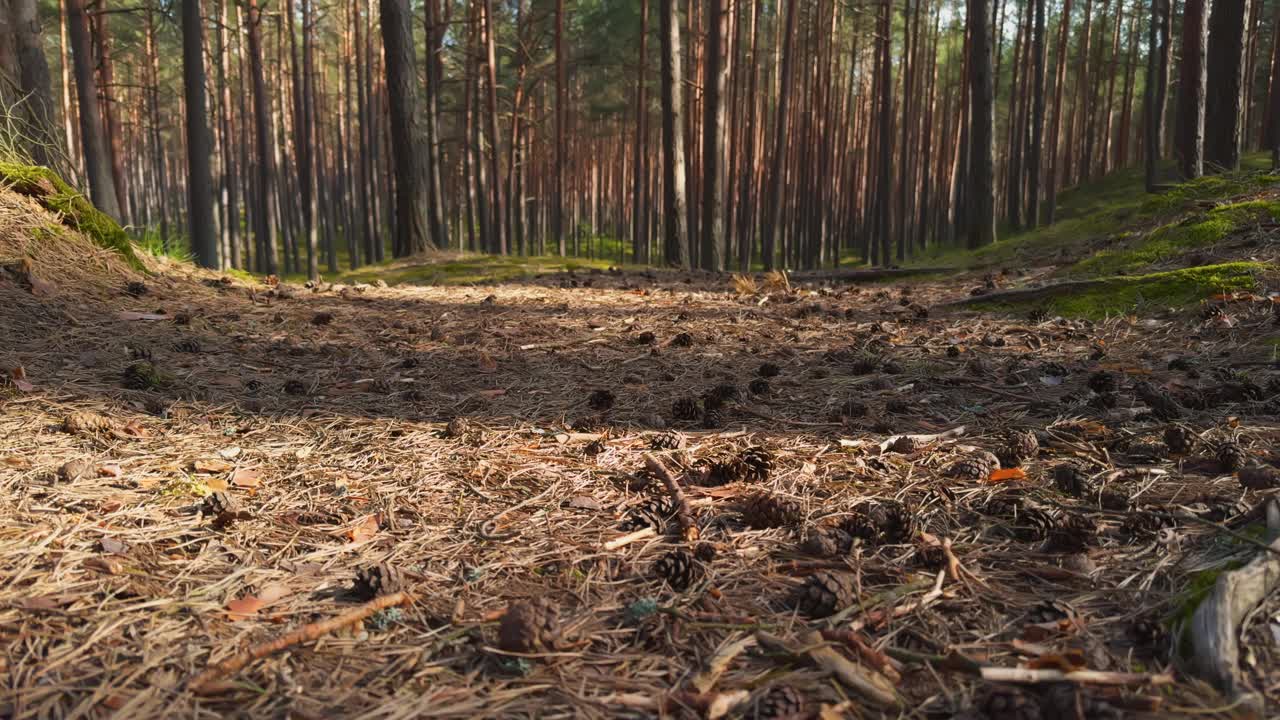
x=190, y=468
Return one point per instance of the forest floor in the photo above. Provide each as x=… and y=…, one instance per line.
x=192, y=466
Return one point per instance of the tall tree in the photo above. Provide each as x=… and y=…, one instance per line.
x=33, y=80
x=263, y=212
x=1191, y=90
x=199, y=173
x=673, y=170
x=1272, y=124
x=1157, y=85
x=777, y=166
x=639, y=234
x=411, y=233
x=713, y=114
x=1224, y=103
x=102, y=187
x=981, y=192
x=562, y=101
x=491, y=118
x=1034, y=150
x=1055, y=127
x=110, y=110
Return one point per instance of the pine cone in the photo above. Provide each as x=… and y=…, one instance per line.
x=322, y=318
x=1008, y=703
x=295, y=386
x=143, y=375
x=86, y=423
x=780, y=702
x=136, y=289
x=653, y=512
x=601, y=399
x=767, y=510
x=1162, y=404
x=457, y=428
x=669, y=440
x=375, y=580
x=1180, y=438
x=1154, y=450
x=850, y=409
x=759, y=463
x=712, y=419
x=217, y=504
x=1073, y=533
x=759, y=386
x=646, y=338
x=530, y=626
x=723, y=470
x=1068, y=701
x=1232, y=457
x=1148, y=634
x=1017, y=447
x=973, y=467
x=677, y=568
x=190, y=345
x=768, y=370
x=824, y=541
x=683, y=340
x=1071, y=479
x=1144, y=523
x=824, y=594
x=881, y=522
x=864, y=364
x=685, y=408
x=1103, y=382
x=720, y=394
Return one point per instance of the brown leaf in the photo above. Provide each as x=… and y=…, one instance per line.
x=246, y=477
x=217, y=484
x=18, y=376
x=18, y=463
x=133, y=428
x=110, y=470
x=362, y=530
x=244, y=607
x=108, y=565
x=114, y=546
x=486, y=363
x=585, y=502
x=211, y=466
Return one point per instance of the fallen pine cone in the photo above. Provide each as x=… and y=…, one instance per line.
x=374, y=580
x=677, y=568
x=75, y=470
x=1018, y=447
x=978, y=466
x=824, y=594
x=1180, y=438
x=767, y=510
x=530, y=626
x=780, y=702
x=1231, y=456
x=1259, y=477
x=81, y=423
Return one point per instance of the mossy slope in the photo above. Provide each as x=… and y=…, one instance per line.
x=45, y=187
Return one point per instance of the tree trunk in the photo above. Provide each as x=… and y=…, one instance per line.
x=102, y=187
x=1273, y=100
x=204, y=244
x=673, y=169
x=1055, y=127
x=773, y=211
x=981, y=193
x=1191, y=90
x=110, y=113
x=495, y=169
x=639, y=234
x=1157, y=85
x=1035, y=150
x=557, y=201
x=411, y=232
x=1224, y=104
x=34, y=83
x=262, y=128
x=713, y=138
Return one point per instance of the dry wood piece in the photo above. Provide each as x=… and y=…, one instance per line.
x=684, y=516
x=870, y=684
x=207, y=680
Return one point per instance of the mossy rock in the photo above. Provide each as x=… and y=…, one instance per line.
x=45, y=187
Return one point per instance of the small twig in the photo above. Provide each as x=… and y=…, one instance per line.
x=684, y=517
x=623, y=541
x=307, y=633
x=720, y=662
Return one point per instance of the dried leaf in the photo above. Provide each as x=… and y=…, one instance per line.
x=246, y=477
x=18, y=463
x=249, y=605
x=1007, y=475
x=18, y=376
x=110, y=471
x=585, y=502
x=217, y=484
x=211, y=466
x=487, y=364
x=363, y=530
x=494, y=393
x=114, y=546
x=41, y=287
x=133, y=428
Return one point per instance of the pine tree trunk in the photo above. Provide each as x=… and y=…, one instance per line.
x=97, y=162
x=1055, y=127
x=1191, y=90
x=411, y=232
x=262, y=128
x=713, y=147
x=1224, y=104
x=110, y=113
x=557, y=201
x=1157, y=86
x=1035, y=150
x=673, y=162
x=773, y=196
x=980, y=194
x=33, y=77
x=639, y=235
x=204, y=244
x=491, y=117
x=1273, y=99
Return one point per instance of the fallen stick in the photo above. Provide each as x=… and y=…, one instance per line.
x=205, y=681
x=629, y=538
x=868, y=683
x=869, y=655
x=684, y=517
x=720, y=662
x=1094, y=677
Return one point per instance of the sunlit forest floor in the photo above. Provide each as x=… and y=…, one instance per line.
x=951, y=480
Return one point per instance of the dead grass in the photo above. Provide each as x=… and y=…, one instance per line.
x=114, y=588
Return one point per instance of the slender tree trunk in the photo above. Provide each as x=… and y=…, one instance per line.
x=562, y=101
x=262, y=129
x=1191, y=90
x=1060, y=81
x=411, y=232
x=1273, y=99
x=1157, y=85
x=33, y=80
x=639, y=231
x=1035, y=150
x=204, y=243
x=110, y=113
x=712, y=254
x=677, y=241
x=1224, y=104
x=97, y=162
x=777, y=168
x=981, y=192
x=495, y=168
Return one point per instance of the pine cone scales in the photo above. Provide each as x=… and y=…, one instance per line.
x=1180, y=438
x=1017, y=448
x=1232, y=457
x=669, y=440
x=825, y=541
x=758, y=462
x=677, y=568
x=653, y=512
x=1070, y=478
x=767, y=510
x=1001, y=703
x=824, y=594
x=1161, y=403
x=530, y=626
x=885, y=522
x=781, y=702
x=1073, y=533
x=375, y=580
x=685, y=408
x=974, y=467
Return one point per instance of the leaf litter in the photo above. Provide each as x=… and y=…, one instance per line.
x=857, y=529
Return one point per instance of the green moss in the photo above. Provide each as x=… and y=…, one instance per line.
x=44, y=185
x=472, y=270
x=1120, y=295
x=145, y=376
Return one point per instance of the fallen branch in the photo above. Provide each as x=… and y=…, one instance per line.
x=624, y=540
x=869, y=655
x=1093, y=677
x=684, y=517
x=868, y=683
x=207, y=681
x=1215, y=627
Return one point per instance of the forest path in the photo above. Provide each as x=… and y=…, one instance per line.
x=487, y=441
